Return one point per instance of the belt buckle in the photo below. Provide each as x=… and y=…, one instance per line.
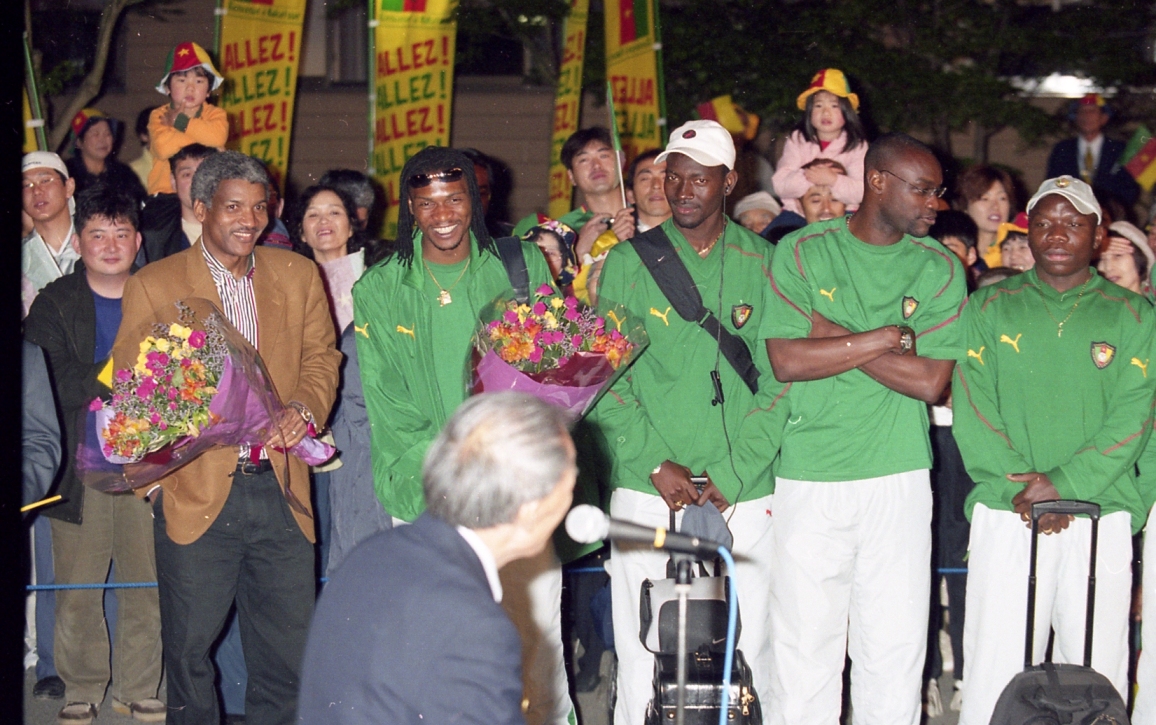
x=249, y=468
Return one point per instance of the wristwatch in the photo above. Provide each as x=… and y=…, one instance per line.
x=302, y=411
x=906, y=339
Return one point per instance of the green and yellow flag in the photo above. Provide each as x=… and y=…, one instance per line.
x=634, y=70
x=567, y=103
x=260, y=46
x=411, y=89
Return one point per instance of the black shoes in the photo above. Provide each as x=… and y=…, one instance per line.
x=48, y=688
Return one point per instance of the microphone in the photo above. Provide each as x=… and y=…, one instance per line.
x=587, y=524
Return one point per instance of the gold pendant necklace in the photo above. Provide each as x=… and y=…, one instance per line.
x=706, y=250
x=444, y=297
x=1060, y=323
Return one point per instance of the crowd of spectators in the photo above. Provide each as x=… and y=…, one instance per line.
x=897, y=429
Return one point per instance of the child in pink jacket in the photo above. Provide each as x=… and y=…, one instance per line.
x=830, y=128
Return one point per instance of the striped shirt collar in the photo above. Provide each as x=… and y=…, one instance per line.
x=218, y=270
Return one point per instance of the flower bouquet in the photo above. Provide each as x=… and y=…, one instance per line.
x=196, y=383
x=554, y=348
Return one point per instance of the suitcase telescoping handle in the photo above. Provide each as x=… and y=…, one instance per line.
x=1073, y=508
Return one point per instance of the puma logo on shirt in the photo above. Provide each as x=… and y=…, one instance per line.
x=1014, y=343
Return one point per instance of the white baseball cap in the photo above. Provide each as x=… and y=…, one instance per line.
x=707, y=142
x=43, y=159
x=1072, y=189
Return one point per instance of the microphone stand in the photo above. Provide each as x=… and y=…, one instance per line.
x=682, y=588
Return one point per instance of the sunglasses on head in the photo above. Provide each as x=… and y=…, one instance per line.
x=417, y=181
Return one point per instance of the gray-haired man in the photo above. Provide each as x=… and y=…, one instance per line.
x=410, y=627
x=223, y=530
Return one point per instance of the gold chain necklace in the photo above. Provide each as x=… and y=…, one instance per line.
x=706, y=250
x=1060, y=323
x=444, y=294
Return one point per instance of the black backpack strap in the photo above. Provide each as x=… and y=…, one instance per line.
x=510, y=252
x=673, y=278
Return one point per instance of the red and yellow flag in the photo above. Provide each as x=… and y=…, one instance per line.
x=260, y=48
x=412, y=88
x=567, y=104
x=633, y=67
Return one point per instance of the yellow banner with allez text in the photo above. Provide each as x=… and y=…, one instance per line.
x=633, y=67
x=567, y=104
x=260, y=45
x=412, y=88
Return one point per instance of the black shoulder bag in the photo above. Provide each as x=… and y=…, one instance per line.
x=673, y=278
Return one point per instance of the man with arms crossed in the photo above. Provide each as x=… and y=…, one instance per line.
x=660, y=421
x=863, y=323
x=1052, y=401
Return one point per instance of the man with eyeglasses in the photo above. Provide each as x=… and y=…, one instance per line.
x=862, y=327
x=46, y=196
x=415, y=314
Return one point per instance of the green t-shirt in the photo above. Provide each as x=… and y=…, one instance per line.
x=849, y=426
x=661, y=408
x=1076, y=407
x=453, y=328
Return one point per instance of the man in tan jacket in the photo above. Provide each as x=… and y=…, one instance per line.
x=224, y=529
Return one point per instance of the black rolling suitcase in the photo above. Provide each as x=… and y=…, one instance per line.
x=1060, y=694
x=706, y=652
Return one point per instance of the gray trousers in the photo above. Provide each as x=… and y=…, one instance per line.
x=116, y=527
x=255, y=554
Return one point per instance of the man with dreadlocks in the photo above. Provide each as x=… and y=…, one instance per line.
x=414, y=314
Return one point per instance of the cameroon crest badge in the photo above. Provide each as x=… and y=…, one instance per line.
x=1102, y=354
x=740, y=314
x=909, y=305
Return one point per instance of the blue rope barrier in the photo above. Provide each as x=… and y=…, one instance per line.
x=110, y=585
x=146, y=585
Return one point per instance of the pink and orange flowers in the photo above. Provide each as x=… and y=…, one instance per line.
x=165, y=396
x=554, y=348
x=550, y=332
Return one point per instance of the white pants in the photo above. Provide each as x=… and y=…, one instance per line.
x=997, y=590
x=532, y=597
x=1144, y=713
x=629, y=565
x=851, y=575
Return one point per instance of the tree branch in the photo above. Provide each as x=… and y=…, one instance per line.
x=92, y=83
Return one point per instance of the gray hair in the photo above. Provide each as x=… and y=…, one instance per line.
x=497, y=452
x=222, y=167
x=352, y=182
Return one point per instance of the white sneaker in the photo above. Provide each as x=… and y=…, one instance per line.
x=933, y=704
x=957, y=696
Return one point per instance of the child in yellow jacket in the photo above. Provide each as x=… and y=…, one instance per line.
x=188, y=118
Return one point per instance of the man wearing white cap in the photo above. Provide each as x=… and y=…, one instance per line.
x=1052, y=401
x=47, y=253
x=676, y=412
x=863, y=325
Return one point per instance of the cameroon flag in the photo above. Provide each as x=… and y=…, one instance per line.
x=404, y=6
x=1139, y=158
x=632, y=20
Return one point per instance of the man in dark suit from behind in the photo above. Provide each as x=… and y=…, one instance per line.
x=1091, y=155
x=410, y=628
